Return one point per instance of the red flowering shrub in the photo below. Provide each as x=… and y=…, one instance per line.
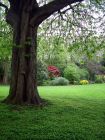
x=53, y=71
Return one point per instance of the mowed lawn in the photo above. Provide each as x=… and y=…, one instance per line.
x=72, y=113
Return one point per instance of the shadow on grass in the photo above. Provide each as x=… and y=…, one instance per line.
x=12, y=107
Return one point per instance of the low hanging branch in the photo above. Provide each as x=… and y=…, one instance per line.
x=47, y=10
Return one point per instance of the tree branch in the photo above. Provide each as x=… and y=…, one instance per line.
x=4, y=6
x=48, y=9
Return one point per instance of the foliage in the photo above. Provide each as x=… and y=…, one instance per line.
x=84, y=82
x=5, y=49
x=53, y=71
x=103, y=60
x=72, y=73
x=59, y=81
x=94, y=68
x=99, y=78
x=46, y=82
x=5, y=39
x=56, y=51
x=84, y=74
x=42, y=73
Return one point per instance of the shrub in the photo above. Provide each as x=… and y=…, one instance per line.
x=59, y=81
x=72, y=73
x=84, y=74
x=46, y=82
x=103, y=78
x=84, y=82
x=53, y=71
x=99, y=78
x=76, y=83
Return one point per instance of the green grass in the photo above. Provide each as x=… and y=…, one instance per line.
x=73, y=113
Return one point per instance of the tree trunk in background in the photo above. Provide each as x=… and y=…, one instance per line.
x=5, y=74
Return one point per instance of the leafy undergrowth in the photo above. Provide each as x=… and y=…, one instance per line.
x=73, y=113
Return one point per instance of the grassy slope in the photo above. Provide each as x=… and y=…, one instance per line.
x=74, y=113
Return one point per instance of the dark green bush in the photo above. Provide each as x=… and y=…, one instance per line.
x=46, y=82
x=99, y=79
x=84, y=74
x=72, y=73
x=59, y=81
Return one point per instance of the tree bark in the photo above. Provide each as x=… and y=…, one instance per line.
x=23, y=87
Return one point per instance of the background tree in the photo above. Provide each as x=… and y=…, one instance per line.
x=5, y=49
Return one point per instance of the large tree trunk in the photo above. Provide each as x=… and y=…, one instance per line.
x=23, y=87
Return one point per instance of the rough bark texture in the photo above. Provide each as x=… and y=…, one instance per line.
x=23, y=87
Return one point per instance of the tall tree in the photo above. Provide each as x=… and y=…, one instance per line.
x=5, y=48
x=25, y=16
